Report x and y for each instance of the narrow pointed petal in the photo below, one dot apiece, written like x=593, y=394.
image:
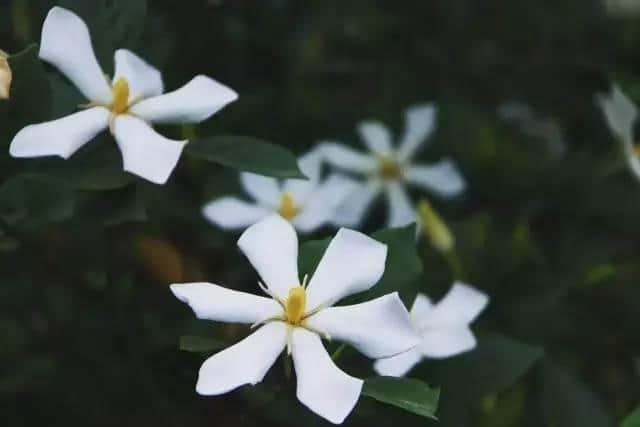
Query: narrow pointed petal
x=232, y=213
x=145, y=152
x=347, y=159
x=322, y=205
x=302, y=189
x=263, y=189
x=66, y=44
x=144, y=80
x=246, y=362
x=351, y=212
x=194, y=102
x=398, y=365
x=419, y=124
x=619, y=112
x=271, y=246
x=441, y=342
x=460, y=306
x=321, y=385
x=442, y=178
x=61, y=137
x=352, y=263
x=376, y=137
x=401, y=210
x=213, y=302
x=376, y=328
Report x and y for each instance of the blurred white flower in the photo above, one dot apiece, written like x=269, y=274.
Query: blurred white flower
x=622, y=8
x=621, y=115
x=388, y=170
x=444, y=328
x=297, y=316
x=5, y=76
x=125, y=105
x=307, y=204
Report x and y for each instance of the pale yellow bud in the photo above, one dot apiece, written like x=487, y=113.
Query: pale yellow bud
x=5, y=76
x=434, y=227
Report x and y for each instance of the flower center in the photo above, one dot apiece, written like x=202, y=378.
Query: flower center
x=295, y=305
x=636, y=150
x=120, y=90
x=388, y=168
x=288, y=210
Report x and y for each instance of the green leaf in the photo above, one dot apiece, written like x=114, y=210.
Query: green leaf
x=407, y=393
x=632, y=420
x=568, y=403
x=310, y=254
x=197, y=344
x=494, y=365
x=247, y=154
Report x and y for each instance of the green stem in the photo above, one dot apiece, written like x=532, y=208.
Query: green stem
x=455, y=265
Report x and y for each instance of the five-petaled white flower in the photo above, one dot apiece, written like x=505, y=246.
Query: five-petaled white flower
x=125, y=105
x=621, y=114
x=388, y=169
x=307, y=204
x=444, y=328
x=297, y=316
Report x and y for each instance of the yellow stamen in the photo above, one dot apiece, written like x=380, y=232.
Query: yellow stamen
x=636, y=150
x=288, y=210
x=296, y=304
x=120, y=96
x=388, y=168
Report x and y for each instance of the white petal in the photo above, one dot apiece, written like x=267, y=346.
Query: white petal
x=352, y=263
x=232, y=213
x=213, y=302
x=460, y=306
x=246, y=362
x=61, y=137
x=620, y=112
x=321, y=206
x=145, y=152
x=351, y=211
x=321, y=385
x=144, y=80
x=192, y=103
x=421, y=306
x=448, y=341
x=376, y=328
x=443, y=178
x=401, y=210
x=263, y=189
x=376, y=137
x=419, y=124
x=398, y=365
x=271, y=246
x=66, y=44
x=301, y=189
x=345, y=158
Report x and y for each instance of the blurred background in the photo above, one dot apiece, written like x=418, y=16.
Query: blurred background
x=549, y=225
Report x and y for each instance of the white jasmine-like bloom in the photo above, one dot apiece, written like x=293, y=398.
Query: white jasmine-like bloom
x=297, y=316
x=621, y=114
x=389, y=170
x=126, y=104
x=307, y=204
x=444, y=328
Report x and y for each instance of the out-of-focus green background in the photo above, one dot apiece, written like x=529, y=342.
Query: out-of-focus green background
x=549, y=226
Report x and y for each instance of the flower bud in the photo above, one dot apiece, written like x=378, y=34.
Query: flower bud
x=5, y=76
x=434, y=227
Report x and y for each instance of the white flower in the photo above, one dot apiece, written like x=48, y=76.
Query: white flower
x=388, y=169
x=125, y=105
x=444, y=328
x=621, y=115
x=298, y=316
x=308, y=204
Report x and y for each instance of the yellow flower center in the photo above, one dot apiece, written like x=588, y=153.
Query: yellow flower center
x=120, y=91
x=388, y=168
x=296, y=304
x=636, y=150
x=288, y=209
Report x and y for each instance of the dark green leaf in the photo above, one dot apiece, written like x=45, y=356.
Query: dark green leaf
x=247, y=154
x=567, y=402
x=30, y=100
x=632, y=420
x=407, y=393
x=197, y=344
x=310, y=254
